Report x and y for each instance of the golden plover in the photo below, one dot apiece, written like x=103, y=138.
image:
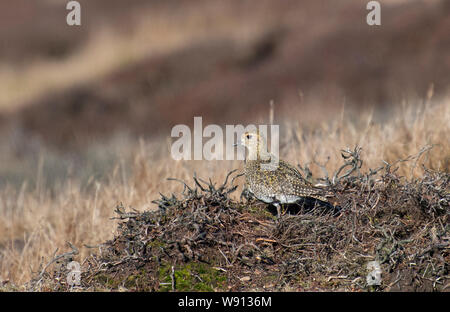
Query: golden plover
x=272, y=182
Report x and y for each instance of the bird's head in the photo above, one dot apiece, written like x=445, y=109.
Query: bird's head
x=255, y=143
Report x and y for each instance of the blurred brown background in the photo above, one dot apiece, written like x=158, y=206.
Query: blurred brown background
x=136, y=68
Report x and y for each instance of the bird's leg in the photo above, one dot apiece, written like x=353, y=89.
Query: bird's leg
x=283, y=212
x=278, y=206
x=245, y=194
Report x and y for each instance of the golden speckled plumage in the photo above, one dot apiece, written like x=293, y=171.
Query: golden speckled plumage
x=284, y=184
x=281, y=183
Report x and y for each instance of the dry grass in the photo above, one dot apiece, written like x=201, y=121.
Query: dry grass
x=36, y=222
x=408, y=131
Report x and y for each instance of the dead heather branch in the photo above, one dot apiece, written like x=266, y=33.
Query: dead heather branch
x=204, y=240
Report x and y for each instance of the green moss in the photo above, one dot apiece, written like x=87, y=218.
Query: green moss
x=259, y=211
x=191, y=277
x=156, y=243
x=107, y=281
x=138, y=281
x=303, y=282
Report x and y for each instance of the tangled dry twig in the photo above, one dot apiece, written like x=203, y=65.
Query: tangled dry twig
x=204, y=240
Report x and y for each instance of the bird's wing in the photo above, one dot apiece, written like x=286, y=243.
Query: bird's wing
x=289, y=169
x=308, y=189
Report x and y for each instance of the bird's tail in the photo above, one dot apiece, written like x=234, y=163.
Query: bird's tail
x=323, y=202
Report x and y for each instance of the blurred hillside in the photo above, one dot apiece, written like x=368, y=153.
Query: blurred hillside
x=76, y=97
x=143, y=66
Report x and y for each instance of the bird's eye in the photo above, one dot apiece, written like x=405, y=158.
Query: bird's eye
x=248, y=136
